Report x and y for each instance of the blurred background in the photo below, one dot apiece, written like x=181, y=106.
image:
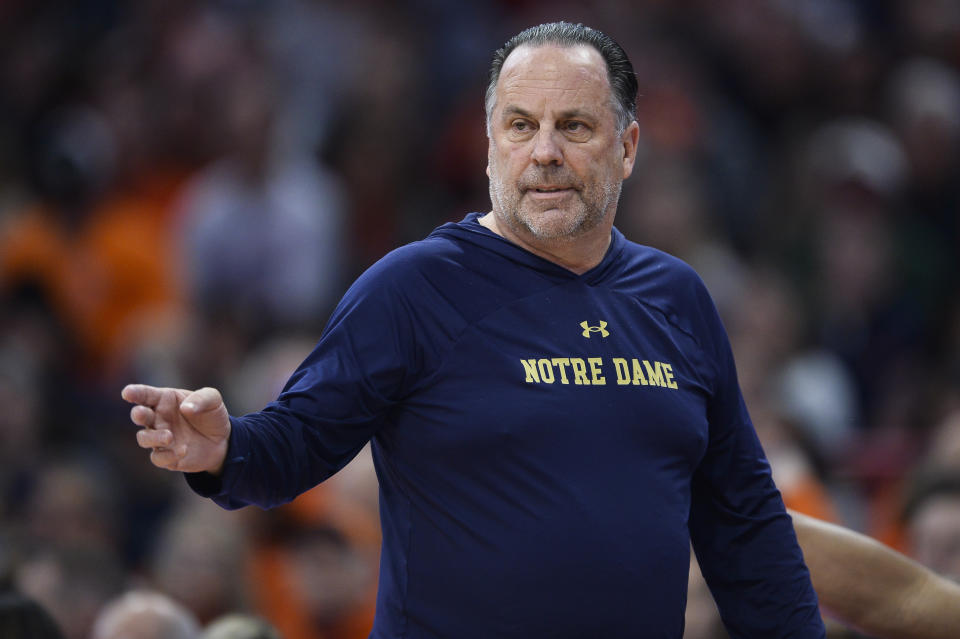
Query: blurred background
x=186, y=189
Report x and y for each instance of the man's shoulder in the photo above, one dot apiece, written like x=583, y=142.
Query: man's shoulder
x=450, y=254
x=654, y=269
x=423, y=273
x=416, y=259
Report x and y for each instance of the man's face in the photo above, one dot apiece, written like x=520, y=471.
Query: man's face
x=555, y=159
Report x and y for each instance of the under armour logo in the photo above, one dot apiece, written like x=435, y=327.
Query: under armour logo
x=587, y=329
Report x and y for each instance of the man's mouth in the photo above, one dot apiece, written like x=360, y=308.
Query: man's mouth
x=549, y=189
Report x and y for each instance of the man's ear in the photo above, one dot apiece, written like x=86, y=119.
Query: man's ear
x=630, y=140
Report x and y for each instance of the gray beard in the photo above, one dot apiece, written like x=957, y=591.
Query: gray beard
x=507, y=209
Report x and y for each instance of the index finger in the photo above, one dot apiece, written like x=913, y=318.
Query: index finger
x=141, y=394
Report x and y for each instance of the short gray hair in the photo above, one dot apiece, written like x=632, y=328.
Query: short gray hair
x=623, y=80
x=154, y=613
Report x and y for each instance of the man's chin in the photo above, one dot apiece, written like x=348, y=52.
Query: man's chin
x=553, y=224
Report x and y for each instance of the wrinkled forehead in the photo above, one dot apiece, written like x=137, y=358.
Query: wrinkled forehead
x=552, y=68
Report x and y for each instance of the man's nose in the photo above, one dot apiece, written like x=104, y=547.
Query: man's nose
x=546, y=149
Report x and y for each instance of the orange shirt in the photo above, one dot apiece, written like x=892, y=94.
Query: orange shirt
x=104, y=278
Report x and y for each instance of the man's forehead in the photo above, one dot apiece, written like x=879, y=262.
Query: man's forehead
x=551, y=63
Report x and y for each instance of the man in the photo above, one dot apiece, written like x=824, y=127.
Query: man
x=142, y=614
x=554, y=410
x=22, y=617
x=240, y=626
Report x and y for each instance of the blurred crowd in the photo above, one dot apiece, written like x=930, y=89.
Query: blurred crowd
x=186, y=189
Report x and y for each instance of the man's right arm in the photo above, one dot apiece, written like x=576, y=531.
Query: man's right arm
x=368, y=358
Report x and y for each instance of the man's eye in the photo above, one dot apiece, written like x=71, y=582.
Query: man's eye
x=520, y=125
x=576, y=127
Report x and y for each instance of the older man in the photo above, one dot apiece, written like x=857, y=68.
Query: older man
x=554, y=410
x=143, y=614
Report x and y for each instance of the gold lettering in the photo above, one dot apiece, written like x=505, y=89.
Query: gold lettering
x=595, y=370
x=623, y=370
x=579, y=371
x=530, y=367
x=546, y=371
x=561, y=363
x=638, y=377
x=589, y=371
x=668, y=376
x=654, y=373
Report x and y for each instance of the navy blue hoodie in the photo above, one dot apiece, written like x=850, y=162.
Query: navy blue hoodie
x=547, y=444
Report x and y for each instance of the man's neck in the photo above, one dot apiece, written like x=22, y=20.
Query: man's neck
x=577, y=255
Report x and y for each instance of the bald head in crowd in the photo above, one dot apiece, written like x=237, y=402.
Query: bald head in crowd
x=240, y=626
x=145, y=615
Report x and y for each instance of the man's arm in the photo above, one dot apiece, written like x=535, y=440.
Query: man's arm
x=875, y=589
x=741, y=533
x=367, y=360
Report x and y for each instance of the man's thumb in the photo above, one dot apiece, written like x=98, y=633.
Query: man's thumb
x=201, y=401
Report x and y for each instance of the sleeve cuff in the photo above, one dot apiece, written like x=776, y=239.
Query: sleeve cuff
x=219, y=487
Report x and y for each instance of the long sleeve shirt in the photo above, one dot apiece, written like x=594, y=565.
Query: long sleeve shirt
x=548, y=445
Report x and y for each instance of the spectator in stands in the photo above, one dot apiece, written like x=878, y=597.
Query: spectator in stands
x=23, y=618
x=141, y=614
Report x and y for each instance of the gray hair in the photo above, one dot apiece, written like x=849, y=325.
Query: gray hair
x=153, y=614
x=623, y=80
x=240, y=626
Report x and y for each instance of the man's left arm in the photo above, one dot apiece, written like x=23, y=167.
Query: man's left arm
x=741, y=533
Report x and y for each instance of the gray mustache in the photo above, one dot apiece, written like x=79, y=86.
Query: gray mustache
x=548, y=180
